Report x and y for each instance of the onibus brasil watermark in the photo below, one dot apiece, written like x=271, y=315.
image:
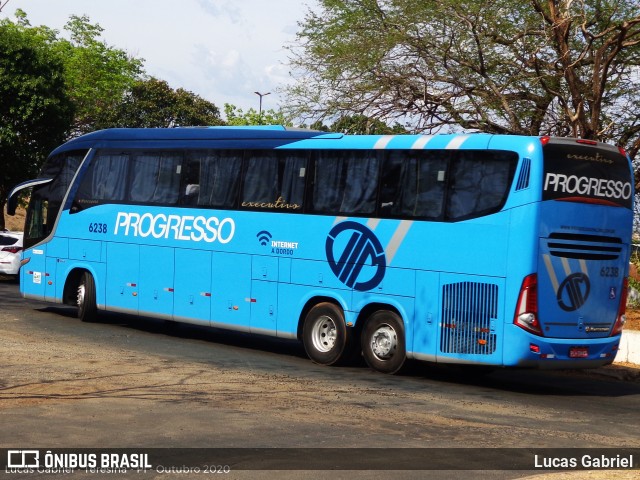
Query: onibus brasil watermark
x=34, y=461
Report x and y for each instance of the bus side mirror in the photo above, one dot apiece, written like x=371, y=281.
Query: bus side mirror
x=12, y=204
x=12, y=201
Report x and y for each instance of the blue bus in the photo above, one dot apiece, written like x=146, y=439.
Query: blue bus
x=472, y=249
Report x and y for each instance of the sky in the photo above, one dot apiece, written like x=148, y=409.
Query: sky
x=222, y=50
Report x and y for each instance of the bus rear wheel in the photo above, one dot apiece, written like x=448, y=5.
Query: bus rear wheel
x=325, y=335
x=87, y=307
x=383, y=343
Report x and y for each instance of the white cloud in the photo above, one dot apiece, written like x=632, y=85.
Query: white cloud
x=222, y=50
x=222, y=9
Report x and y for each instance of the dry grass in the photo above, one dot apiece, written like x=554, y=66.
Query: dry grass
x=16, y=222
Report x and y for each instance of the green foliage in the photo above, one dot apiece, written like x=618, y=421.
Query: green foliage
x=363, y=125
x=97, y=76
x=153, y=103
x=35, y=112
x=633, y=280
x=237, y=117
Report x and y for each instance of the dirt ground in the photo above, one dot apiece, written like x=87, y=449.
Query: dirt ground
x=633, y=319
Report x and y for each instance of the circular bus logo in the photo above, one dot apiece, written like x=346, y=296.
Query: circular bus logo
x=573, y=292
x=355, y=246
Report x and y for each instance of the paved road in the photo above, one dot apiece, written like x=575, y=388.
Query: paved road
x=130, y=383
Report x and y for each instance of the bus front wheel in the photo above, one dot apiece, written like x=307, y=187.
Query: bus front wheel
x=87, y=307
x=325, y=335
x=383, y=343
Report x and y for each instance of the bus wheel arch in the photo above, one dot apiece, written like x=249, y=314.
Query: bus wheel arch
x=80, y=290
x=324, y=332
x=383, y=340
x=70, y=293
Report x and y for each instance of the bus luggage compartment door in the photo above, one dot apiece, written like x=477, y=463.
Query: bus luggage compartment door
x=192, y=297
x=231, y=290
x=123, y=270
x=264, y=294
x=156, y=281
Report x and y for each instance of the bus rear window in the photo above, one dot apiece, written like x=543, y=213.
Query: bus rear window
x=583, y=173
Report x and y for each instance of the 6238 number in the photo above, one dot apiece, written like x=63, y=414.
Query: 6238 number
x=98, y=227
x=609, y=271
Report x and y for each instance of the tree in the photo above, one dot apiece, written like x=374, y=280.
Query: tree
x=237, y=117
x=559, y=67
x=35, y=112
x=97, y=76
x=153, y=103
x=363, y=125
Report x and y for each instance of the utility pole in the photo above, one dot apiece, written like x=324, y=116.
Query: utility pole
x=260, y=110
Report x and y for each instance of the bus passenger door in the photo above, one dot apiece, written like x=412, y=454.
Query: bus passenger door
x=123, y=261
x=425, y=330
x=264, y=294
x=192, y=296
x=156, y=281
x=57, y=258
x=231, y=289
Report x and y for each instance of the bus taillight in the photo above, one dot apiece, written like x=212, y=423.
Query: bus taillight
x=526, y=315
x=584, y=141
x=621, y=319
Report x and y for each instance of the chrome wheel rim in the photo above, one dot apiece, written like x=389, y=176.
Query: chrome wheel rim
x=323, y=334
x=384, y=342
x=80, y=297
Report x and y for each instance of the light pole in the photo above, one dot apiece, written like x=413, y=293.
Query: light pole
x=261, y=95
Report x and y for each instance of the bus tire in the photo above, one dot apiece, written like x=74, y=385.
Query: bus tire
x=325, y=335
x=383, y=342
x=87, y=307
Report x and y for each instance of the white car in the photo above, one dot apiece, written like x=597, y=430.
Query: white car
x=10, y=248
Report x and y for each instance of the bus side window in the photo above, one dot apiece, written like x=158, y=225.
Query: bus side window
x=260, y=180
x=392, y=184
x=480, y=183
x=104, y=181
x=212, y=178
x=293, y=167
x=275, y=180
x=431, y=175
x=413, y=184
x=155, y=177
x=346, y=181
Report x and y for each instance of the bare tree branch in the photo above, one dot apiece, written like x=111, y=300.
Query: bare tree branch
x=559, y=67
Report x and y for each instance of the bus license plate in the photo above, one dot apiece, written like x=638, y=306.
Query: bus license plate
x=578, y=352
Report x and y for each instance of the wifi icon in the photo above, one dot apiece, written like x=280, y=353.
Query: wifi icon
x=264, y=237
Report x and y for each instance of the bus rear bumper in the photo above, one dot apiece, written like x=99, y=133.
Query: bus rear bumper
x=523, y=349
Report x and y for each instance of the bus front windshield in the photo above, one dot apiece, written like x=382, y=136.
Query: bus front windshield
x=46, y=200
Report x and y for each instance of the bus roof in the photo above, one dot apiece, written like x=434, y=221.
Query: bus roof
x=277, y=133
x=265, y=136
x=274, y=136
x=199, y=133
